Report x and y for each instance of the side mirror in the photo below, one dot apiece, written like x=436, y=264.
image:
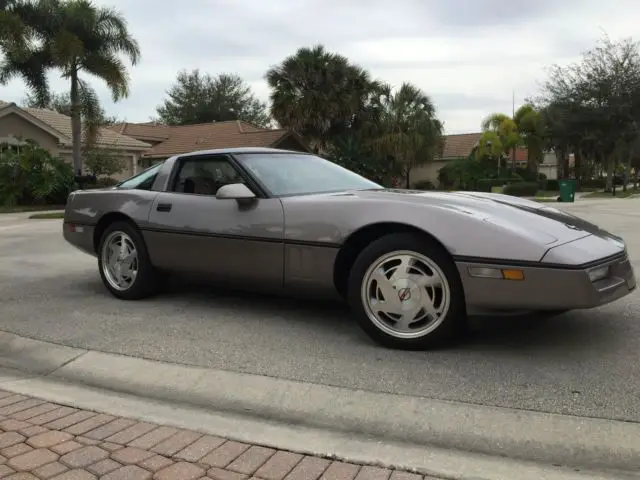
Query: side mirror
x=235, y=191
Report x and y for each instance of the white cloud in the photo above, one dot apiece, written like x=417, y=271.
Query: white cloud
x=467, y=56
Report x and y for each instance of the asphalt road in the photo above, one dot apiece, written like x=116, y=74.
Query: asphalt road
x=583, y=363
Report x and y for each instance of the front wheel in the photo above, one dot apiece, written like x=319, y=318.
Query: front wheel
x=406, y=293
x=124, y=263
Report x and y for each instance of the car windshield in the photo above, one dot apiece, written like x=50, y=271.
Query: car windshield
x=142, y=181
x=299, y=174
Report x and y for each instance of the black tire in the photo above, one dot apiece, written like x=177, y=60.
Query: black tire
x=146, y=281
x=454, y=324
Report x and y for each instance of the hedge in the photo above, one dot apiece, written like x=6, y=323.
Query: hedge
x=521, y=189
x=486, y=184
x=424, y=185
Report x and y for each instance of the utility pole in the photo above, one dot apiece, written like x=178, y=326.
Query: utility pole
x=513, y=117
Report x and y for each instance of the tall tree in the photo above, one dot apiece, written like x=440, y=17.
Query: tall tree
x=507, y=131
x=318, y=94
x=74, y=36
x=410, y=131
x=61, y=103
x=591, y=107
x=23, y=57
x=198, y=97
x=531, y=129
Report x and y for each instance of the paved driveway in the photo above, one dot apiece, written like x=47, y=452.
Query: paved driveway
x=583, y=363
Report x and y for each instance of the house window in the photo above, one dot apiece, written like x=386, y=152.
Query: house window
x=7, y=148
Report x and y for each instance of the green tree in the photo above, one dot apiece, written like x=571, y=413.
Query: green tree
x=73, y=36
x=101, y=162
x=31, y=175
x=591, y=108
x=530, y=125
x=201, y=98
x=319, y=95
x=507, y=131
x=490, y=146
x=410, y=131
x=23, y=55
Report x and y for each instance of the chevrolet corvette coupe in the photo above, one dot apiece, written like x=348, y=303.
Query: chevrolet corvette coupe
x=411, y=264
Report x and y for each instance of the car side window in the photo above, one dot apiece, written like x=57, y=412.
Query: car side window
x=141, y=181
x=204, y=175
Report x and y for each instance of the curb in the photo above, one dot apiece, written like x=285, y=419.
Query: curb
x=425, y=423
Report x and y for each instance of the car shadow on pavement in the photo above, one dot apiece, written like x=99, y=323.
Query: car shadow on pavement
x=532, y=331
x=581, y=330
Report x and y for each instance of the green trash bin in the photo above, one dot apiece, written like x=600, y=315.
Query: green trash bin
x=567, y=190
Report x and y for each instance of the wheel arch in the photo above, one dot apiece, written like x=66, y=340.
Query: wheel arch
x=358, y=241
x=104, y=222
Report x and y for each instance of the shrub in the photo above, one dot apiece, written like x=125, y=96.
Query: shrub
x=521, y=189
x=552, y=184
x=424, y=185
x=486, y=184
x=106, y=182
x=102, y=162
x=526, y=174
x=33, y=176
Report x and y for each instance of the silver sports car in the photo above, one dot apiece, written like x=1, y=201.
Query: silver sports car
x=411, y=264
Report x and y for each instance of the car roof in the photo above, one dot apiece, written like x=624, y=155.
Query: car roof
x=218, y=151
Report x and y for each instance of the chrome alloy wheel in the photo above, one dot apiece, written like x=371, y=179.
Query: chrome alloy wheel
x=119, y=260
x=405, y=294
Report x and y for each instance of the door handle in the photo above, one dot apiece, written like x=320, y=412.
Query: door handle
x=163, y=207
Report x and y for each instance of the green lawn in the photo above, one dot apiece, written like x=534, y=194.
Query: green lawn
x=42, y=216
x=547, y=194
x=29, y=208
x=619, y=193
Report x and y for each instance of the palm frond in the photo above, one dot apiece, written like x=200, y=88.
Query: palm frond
x=111, y=69
x=31, y=68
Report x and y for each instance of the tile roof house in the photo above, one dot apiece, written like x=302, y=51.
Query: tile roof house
x=459, y=145
x=455, y=147
x=169, y=140
x=52, y=130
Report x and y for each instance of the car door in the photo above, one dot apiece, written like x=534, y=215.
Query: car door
x=192, y=231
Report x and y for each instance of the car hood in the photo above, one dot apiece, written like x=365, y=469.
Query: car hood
x=537, y=221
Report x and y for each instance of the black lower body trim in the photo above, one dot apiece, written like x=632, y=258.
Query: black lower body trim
x=245, y=237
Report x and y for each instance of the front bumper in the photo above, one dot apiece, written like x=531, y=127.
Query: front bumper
x=548, y=288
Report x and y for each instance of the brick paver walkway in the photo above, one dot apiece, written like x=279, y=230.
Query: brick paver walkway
x=40, y=440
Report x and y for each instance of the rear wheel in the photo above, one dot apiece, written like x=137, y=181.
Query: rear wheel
x=124, y=263
x=406, y=293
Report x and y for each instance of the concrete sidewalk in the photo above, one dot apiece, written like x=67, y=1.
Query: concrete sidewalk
x=434, y=438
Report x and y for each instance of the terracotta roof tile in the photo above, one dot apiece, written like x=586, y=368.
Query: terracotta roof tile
x=460, y=145
x=204, y=136
x=142, y=130
x=521, y=154
x=106, y=137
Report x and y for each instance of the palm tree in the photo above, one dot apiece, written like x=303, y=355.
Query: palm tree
x=19, y=23
x=73, y=36
x=531, y=128
x=506, y=129
x=317, y=94
x=410, y=131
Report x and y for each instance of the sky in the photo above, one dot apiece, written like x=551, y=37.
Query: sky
x=469, y=56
